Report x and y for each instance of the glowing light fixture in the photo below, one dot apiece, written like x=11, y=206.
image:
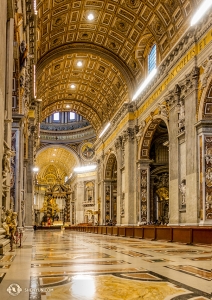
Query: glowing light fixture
x=34, y=81
x=72, y=86
x=85, y=169
x=79, y=63
x=90, y=17
x=144, y=84
x=35, y=7
x=201, y=11
x=104, y=130
x=67, y=106
x=35, y=169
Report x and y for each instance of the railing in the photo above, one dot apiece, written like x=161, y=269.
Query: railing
x=187, y=235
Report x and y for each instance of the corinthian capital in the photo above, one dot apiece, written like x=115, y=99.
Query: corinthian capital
x=118, y=142
x=129, y=134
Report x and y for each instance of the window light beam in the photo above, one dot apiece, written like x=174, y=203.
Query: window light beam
x=201, y=11
x=144, y=84
x=85, y=169
x=104, y=130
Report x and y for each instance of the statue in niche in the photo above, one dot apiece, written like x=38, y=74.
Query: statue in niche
x=181, y=116
x=23, y=54
x=163, y=213
x=182, y=188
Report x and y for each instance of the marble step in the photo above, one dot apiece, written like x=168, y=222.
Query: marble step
x=2, y=237
x=2, y=231
x=4, y=242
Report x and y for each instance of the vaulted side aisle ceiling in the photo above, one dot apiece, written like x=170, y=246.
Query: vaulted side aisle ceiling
x=55, y=161
x=112, y=47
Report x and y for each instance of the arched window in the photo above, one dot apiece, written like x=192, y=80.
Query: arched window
x=72, y=116
x=152, y=59
x=56, y=116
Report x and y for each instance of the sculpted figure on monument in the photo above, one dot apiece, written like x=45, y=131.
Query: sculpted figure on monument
x=13, y=223
x=6, y=220
x=182, y=188
x=6, y=164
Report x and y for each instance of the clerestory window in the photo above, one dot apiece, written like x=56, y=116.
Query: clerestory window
x=152, y=59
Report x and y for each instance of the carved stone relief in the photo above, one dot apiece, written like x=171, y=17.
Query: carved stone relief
x=143, y=188
x=208, y=178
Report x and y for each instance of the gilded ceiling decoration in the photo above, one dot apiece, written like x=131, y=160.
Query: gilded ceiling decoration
x=99, y=87
x=113, y=48
x=55, y=163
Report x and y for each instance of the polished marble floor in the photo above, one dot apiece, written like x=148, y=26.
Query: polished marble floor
x=81, y=266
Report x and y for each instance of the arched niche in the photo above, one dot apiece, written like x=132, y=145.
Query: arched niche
x=154, y=173
x=110, y=190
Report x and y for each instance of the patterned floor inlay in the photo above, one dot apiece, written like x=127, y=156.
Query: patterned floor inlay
x=128, y=270
x=69, y=256
x=68, y=264
x=111, y=247
x=134, y=286
x=157, y=260
x=202, y=258
x=2, y=276
x=5, y=266
x=142, y=276
x=7, y=258
x=180, y=251
x=134, y=253
x=194, y=271
x=40, y=249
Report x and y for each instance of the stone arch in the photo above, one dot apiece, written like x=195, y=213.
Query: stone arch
x=149, y=130
x=111, y=166
x=153, y=178
x=205, y=105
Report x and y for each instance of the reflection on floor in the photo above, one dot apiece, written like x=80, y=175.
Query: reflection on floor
x=83, y=266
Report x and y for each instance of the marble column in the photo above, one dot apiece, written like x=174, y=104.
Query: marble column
x=129, y=143
x=172, y=99
x=29, y=190
x=118, y=144
x=101, y=188
x=190, y=86
x=79, y=201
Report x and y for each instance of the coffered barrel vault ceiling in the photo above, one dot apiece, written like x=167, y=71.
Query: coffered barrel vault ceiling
x=55, y=162
x=99, y=87
x=113, y=48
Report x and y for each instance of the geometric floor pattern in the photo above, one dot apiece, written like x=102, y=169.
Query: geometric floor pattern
x=82, y=266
